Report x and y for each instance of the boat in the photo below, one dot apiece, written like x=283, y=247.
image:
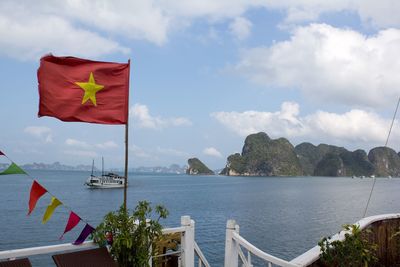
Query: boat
x=109, y=180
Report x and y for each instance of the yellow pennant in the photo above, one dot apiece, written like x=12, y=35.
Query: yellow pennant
x=50, y=209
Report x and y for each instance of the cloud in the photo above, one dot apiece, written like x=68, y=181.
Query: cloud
x=83, y=144
x=213, y=152
x=330, y=64
x=240, y=28
x=107, y=145
x=157, y=153
x=350, y=128
x=74, y=142
x=91, y=28
x=141, y=115
x=81, y=153
x=40, y=132
x=28, y=36
x=140, y=152
x=171, y=152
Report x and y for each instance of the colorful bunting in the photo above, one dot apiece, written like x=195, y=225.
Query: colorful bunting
x=50, y=209
x=84, y=234
x=36, y=192
x=72, y=222
x=13, y=169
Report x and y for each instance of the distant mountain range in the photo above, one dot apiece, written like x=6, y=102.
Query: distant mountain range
x=174, y=168
x=57, y=166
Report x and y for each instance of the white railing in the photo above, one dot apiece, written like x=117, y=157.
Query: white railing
x=187, y=253
x=312, y=255
x=233, y=250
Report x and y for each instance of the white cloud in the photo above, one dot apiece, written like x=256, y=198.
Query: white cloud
x=156, y=153
x=27, y=36
x=90, y=28
x=212, y=151
x=140, y=152
x=240, y=28
x=40, y=132
x=83, y=144
x=81, y=153
x=330, y=64
x=171, y=152
x=74, y=142
x=107, y=145
x=350, y=128
x=141, y=115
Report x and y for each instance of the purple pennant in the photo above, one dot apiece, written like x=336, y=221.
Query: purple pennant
x=1, y=153
x=84, y=234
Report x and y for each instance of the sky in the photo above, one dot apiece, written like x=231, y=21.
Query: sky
x=204, y=75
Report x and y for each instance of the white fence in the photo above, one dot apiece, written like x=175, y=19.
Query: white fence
x=234, y=245
x=189, y=247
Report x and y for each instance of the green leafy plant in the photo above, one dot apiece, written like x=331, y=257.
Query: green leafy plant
x=133, y=236
x=355, y=250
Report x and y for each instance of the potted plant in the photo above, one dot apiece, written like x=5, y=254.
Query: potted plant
x=354, y=250
x=131, y=238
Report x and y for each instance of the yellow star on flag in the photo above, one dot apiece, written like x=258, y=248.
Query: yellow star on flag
x=90, y=88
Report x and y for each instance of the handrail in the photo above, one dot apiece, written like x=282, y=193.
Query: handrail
x=200, y=254
x=312, y=255
x=259, y=253
x=26, y=252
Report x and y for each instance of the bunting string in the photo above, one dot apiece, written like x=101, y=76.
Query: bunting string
x=37, y=191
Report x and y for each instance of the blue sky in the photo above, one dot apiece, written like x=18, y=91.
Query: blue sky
x=204, y=75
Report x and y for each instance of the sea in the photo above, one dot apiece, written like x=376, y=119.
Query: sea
x=284, y=216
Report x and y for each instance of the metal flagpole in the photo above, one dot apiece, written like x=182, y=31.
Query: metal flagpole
x=126, y=163
x=126, y=145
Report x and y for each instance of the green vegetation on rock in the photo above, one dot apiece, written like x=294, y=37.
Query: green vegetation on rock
x=198, y=167
x=262, y=156
x=385, y=160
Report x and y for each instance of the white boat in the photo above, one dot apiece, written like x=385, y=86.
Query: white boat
x=109, y=180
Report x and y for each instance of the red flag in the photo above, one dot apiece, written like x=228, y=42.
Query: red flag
x=36, y=192
x=72, y=222
x=74, y=89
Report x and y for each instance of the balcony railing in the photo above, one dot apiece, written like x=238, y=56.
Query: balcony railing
x=189, y=247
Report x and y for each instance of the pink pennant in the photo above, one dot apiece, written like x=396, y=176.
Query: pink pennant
x=72, y=222
x=36, y=192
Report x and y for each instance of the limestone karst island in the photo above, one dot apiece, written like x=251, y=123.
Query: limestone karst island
x=263, y=156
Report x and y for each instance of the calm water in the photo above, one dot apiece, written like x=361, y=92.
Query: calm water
x=282, y=216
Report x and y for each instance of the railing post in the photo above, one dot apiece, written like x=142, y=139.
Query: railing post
x=231, y=247
x=187, y=242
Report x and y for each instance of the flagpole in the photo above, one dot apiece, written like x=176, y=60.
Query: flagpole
x=126, y=163
x=126, y=143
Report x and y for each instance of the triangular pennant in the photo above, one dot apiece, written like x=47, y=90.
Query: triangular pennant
x=1, y=153
x=13, y=169
x=50, y=209
x=36, y=192
x=73, y=220
x=84, y=234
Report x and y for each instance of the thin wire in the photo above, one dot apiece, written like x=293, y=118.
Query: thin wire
x=387, y=140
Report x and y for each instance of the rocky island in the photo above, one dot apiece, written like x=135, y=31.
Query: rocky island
x=263, y=156
x=196, y=167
